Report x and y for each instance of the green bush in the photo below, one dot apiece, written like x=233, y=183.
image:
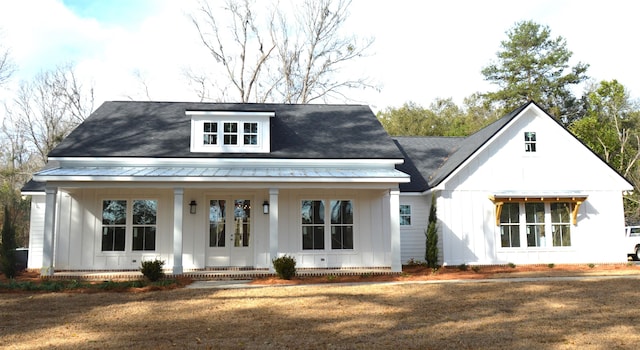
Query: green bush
x=285, y=266
x=512, y=265
x=431, y=253
x=152, y=269
x=463, y=267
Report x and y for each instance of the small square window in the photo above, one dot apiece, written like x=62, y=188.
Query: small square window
x=529, y=141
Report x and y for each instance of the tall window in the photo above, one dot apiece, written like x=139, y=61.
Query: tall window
x=341, y=224
x=250, y=133
x=217, y=209
x=510, y=225
x=114, y=225
x=535, y=224
x=144, y=224
x=560, y=224
x=529, y=141
x=312, y=215
x=405, y=215
x=242, y=222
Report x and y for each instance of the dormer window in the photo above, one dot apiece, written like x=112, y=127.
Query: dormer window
x=529, y=141
x=230, y=132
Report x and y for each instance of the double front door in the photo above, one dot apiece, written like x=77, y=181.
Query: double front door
x=229, y=237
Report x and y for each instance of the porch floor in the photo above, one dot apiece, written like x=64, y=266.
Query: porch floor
x=218, y=274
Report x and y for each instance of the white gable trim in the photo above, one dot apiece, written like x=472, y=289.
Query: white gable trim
x=538, y=111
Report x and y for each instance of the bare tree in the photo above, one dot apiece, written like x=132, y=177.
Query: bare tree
x=7, y=68
x=46, y=109
x=278, y=55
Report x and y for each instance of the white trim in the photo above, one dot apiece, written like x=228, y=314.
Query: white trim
x=304, y=179
x=223, y=162
x=234, y=114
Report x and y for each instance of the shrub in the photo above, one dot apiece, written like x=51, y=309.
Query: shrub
x=591, y=266
x=285, y=266
x=152, y=269
x=475, y=269
x=552, y=265
x=463, y=267
x=512, y=265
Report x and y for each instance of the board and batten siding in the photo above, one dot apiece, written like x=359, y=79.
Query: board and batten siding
x=36, y=230
x=561, y=163
x=412, y=237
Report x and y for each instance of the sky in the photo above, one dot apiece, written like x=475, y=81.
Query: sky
x=423, y=49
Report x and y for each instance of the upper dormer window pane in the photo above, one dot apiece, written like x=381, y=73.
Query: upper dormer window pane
x=250, y=133
x=230, y=133
x=529, y=141
x=210, y=133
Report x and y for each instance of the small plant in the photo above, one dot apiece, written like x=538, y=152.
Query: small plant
x=591, y=265
x=463, y=267
x=512, y=265
x=475, y=269
x=552, y=265
x=415, y=262
x=331, y=277
x=152, y=269
x=285, y=266
x=630, y=263
x=365, y=275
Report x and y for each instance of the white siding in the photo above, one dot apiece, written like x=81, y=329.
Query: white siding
x=412, y=237
x=36, y=232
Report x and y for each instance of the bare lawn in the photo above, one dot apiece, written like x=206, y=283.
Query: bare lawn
x=588, y=313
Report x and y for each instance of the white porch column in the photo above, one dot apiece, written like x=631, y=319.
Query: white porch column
x=49, y=229
x=178, y=201
x=273, y=226
x=394, y=220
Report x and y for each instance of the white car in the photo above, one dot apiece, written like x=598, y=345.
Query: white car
x=633, y=238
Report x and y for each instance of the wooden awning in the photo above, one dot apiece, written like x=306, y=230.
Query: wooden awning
x=575, y=198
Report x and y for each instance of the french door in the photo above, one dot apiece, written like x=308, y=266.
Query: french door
x=229, y=233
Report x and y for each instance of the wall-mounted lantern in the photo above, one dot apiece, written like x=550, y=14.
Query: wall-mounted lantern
x=265, y=207
x=192, y=207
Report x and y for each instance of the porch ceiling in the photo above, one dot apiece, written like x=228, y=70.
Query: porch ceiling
x=222, y=174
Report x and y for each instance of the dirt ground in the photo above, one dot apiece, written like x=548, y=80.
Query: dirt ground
x=591, y=313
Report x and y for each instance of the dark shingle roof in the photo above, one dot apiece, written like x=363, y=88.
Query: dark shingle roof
x=163, y=130
x=437, y=157
x=423, y=157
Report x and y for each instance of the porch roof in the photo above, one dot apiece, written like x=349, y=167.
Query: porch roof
x=221, y=174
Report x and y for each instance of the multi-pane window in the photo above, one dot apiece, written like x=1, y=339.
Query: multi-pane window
x=534, y=213
x=250, y=133
x=230, y=133
x=341, y=224
x=242, y=222
x=144, y=224
x=405, y=215
x=312, y=218
x=114, y=225
x=210, y=133
x=510, y=225
x=140, y=224
x=560, y=224
x=217, y=221
x=529, y=141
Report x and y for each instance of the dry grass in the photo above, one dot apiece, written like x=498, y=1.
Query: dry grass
x=590, y=313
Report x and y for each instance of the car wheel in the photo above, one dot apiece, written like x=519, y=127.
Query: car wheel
x=637, y=257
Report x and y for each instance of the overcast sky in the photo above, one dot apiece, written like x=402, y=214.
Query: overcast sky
x=423, y=50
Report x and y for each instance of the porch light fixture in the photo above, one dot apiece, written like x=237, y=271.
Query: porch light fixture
x=192, y=207
x=265, y=207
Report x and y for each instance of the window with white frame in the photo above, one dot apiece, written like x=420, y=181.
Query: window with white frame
x=510, y=225
x=529, y=141
x=405, y=215
x=530, y=222
x=340, y=225
x=230, y=132
x=133, y=221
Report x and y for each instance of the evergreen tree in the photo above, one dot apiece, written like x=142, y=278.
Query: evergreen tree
x=8, y=247
x=431, y=254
